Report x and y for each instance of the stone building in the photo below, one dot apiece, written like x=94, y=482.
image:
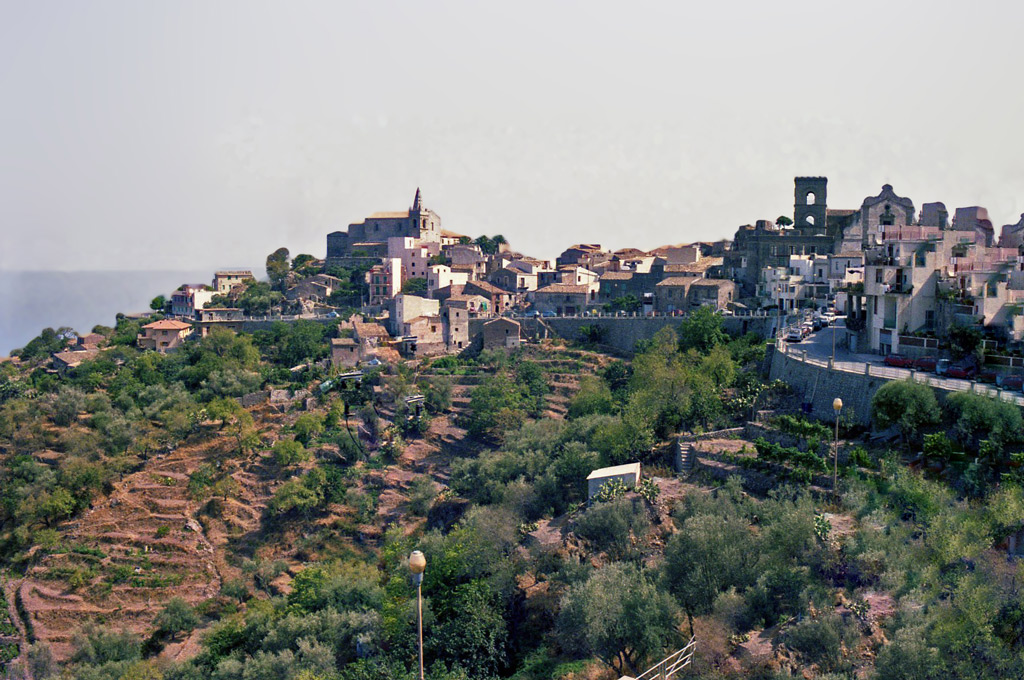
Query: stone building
x=224, y=281
x=502, y=333
x=714, y=293
x=670, y=295
x=417, y=222
x=564, y=299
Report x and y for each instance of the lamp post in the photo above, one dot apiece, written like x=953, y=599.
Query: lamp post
x=417, y=564
x=837, y=406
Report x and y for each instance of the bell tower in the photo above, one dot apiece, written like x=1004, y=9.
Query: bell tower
x=809, y=206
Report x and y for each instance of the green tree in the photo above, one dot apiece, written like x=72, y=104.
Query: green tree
x=158, y=303
x=498, y=403
x=976, y=417
x=414, y=286
x=625, y=303
x=593, y=396
x=619, y=616
x=708, y=555
x=176, y=617
x=783, y=221
x=308, y=427
x=289, y=452
x=964, y=340
x=908, y=405
x=614, y=526
x=278, y=268
x=702, y=330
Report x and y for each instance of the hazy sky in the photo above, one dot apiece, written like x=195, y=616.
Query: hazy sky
x=181, y=134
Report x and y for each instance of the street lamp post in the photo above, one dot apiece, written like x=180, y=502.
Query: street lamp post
x=417, y=564
x=837, y=406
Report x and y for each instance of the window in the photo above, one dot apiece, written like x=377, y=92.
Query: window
x=878, y=276
x=811, y=198
x=809, y=220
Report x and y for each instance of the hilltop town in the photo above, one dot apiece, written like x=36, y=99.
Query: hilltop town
x=902, y=278
x=797, y=453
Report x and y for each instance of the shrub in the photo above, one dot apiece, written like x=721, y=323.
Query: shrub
x=289, y=452
x=177, y=617
x=819, y=641
x=613, y=526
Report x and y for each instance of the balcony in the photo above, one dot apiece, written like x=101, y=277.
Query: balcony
x=898, y=288
x=879, y=258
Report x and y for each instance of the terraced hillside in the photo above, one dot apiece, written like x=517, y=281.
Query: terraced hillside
x=152, y=539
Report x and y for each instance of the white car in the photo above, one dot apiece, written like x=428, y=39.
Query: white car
x=795, y=334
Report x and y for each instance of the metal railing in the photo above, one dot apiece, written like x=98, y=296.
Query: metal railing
x=893, y=373
x=668, y=666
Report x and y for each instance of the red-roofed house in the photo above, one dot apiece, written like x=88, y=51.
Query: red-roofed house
x=164, y=335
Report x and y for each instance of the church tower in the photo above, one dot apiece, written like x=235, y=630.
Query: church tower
x=809, y=207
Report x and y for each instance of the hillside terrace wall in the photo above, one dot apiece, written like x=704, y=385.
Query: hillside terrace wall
x=856, y=383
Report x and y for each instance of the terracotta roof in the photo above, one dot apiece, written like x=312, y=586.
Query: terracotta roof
x=73, y=359
x=388, y=215
x=451, y=234
x=678, y=281
x=337, y=342
x=714, y=283
x=617, y=276
x=839, y=212
x=168, y=325
x=630, y=252
x=370, y=330
x=486, y=286
x=502, y=320
x=563, y=288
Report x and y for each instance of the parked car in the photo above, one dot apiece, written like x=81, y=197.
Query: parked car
x=898, y=360
x=987, y=376
x=942, y=366
x=1010, y=382
x=962, y=372
x=795, y=334
x=548, y=314
x=925, y=363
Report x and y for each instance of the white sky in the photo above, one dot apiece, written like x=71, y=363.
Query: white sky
x=180, y=134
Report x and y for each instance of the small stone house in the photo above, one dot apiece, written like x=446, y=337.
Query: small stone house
x=715, y=293
x=562, y=299
x=502, y=333
x=344, y=352
x=671, y=293
x=65, y=361
x=628, y=474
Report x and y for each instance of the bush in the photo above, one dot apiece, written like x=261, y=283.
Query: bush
x=289, y=452
x=177, y=617
x=908, y=405
x=613, y=526
x=819, y=641
x=802, y=427
x=422, y=492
